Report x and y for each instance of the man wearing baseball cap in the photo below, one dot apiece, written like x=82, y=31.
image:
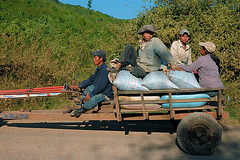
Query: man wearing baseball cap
x=180, y=50
x=206, y=66
x=97, y=87
x=151, y=52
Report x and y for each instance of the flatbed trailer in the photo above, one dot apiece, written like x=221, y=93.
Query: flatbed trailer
x=198, y=130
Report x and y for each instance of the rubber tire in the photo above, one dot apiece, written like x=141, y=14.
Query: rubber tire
x=199, y=134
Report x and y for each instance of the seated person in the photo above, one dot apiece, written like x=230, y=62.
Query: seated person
x=98, y=86
x=180, y=50
x=206, y=66
x=151, y=51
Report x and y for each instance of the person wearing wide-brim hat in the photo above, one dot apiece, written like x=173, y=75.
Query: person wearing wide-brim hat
x=206, y=66
x=151, y=52
x=180, y=50
x=147, y=28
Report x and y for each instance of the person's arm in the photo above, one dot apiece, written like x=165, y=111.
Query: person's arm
x=194, y=66
x=162, y=52
x=87, y=82
x=177, y=68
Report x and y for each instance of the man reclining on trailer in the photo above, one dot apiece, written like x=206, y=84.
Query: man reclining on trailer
x=151, y=52
x=97, y=87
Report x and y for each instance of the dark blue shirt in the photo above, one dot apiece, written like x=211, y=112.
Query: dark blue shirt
x=100, y=82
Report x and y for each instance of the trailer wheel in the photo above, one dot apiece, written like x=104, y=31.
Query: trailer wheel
x=199, y=134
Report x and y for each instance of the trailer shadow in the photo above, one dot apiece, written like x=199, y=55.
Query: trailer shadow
x=2, y=122
x=124, y=126
x=229, y=148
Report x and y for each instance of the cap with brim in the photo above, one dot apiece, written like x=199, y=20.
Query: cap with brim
x=210, y=46
x=184, y=31
x=147, y=28
x=100, y=53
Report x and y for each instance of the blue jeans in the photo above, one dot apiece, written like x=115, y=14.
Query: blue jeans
x=93, y=102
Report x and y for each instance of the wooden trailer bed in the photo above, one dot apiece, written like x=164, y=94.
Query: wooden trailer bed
x=172, y=113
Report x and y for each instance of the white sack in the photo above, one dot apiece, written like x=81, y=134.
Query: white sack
x=183, y=79
x=158, y=80
x=127, y=82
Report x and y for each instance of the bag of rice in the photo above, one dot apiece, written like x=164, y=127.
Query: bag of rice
x=127, y=82
x=158, y=80
x=183, y=79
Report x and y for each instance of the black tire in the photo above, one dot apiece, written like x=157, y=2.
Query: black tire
x=199, y=134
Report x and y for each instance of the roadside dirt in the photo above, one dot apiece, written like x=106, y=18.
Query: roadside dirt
x=29, y=139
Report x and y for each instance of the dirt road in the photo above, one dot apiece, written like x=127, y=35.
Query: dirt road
x=38, y=140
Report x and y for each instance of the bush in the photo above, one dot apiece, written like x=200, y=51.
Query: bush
x=207, y=20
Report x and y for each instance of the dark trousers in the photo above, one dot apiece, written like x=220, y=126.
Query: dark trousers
x=129, y=57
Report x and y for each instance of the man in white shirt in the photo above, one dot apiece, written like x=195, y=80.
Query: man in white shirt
x=180, y=50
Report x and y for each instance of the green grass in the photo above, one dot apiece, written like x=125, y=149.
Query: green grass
x=234, y=104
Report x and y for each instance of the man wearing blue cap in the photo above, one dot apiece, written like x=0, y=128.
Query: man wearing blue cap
x=98, y=86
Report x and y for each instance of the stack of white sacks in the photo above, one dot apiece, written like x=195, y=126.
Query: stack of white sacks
x=155, y=80
x=159, y=80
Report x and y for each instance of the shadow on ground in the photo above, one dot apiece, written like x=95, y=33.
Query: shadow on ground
x=125, y=126
x=229, y=148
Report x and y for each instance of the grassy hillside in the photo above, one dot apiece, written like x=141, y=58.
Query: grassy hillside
x=46, y=43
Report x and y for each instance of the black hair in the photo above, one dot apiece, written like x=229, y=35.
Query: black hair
x=217, y=61
x=184, y=34
x=206, y=51
x=154, y=34
x=104, y=59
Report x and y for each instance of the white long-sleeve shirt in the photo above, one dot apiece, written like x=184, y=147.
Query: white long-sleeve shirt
x=180, y=54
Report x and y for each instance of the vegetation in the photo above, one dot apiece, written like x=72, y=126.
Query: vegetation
x=46, y=43
x=207, y=20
